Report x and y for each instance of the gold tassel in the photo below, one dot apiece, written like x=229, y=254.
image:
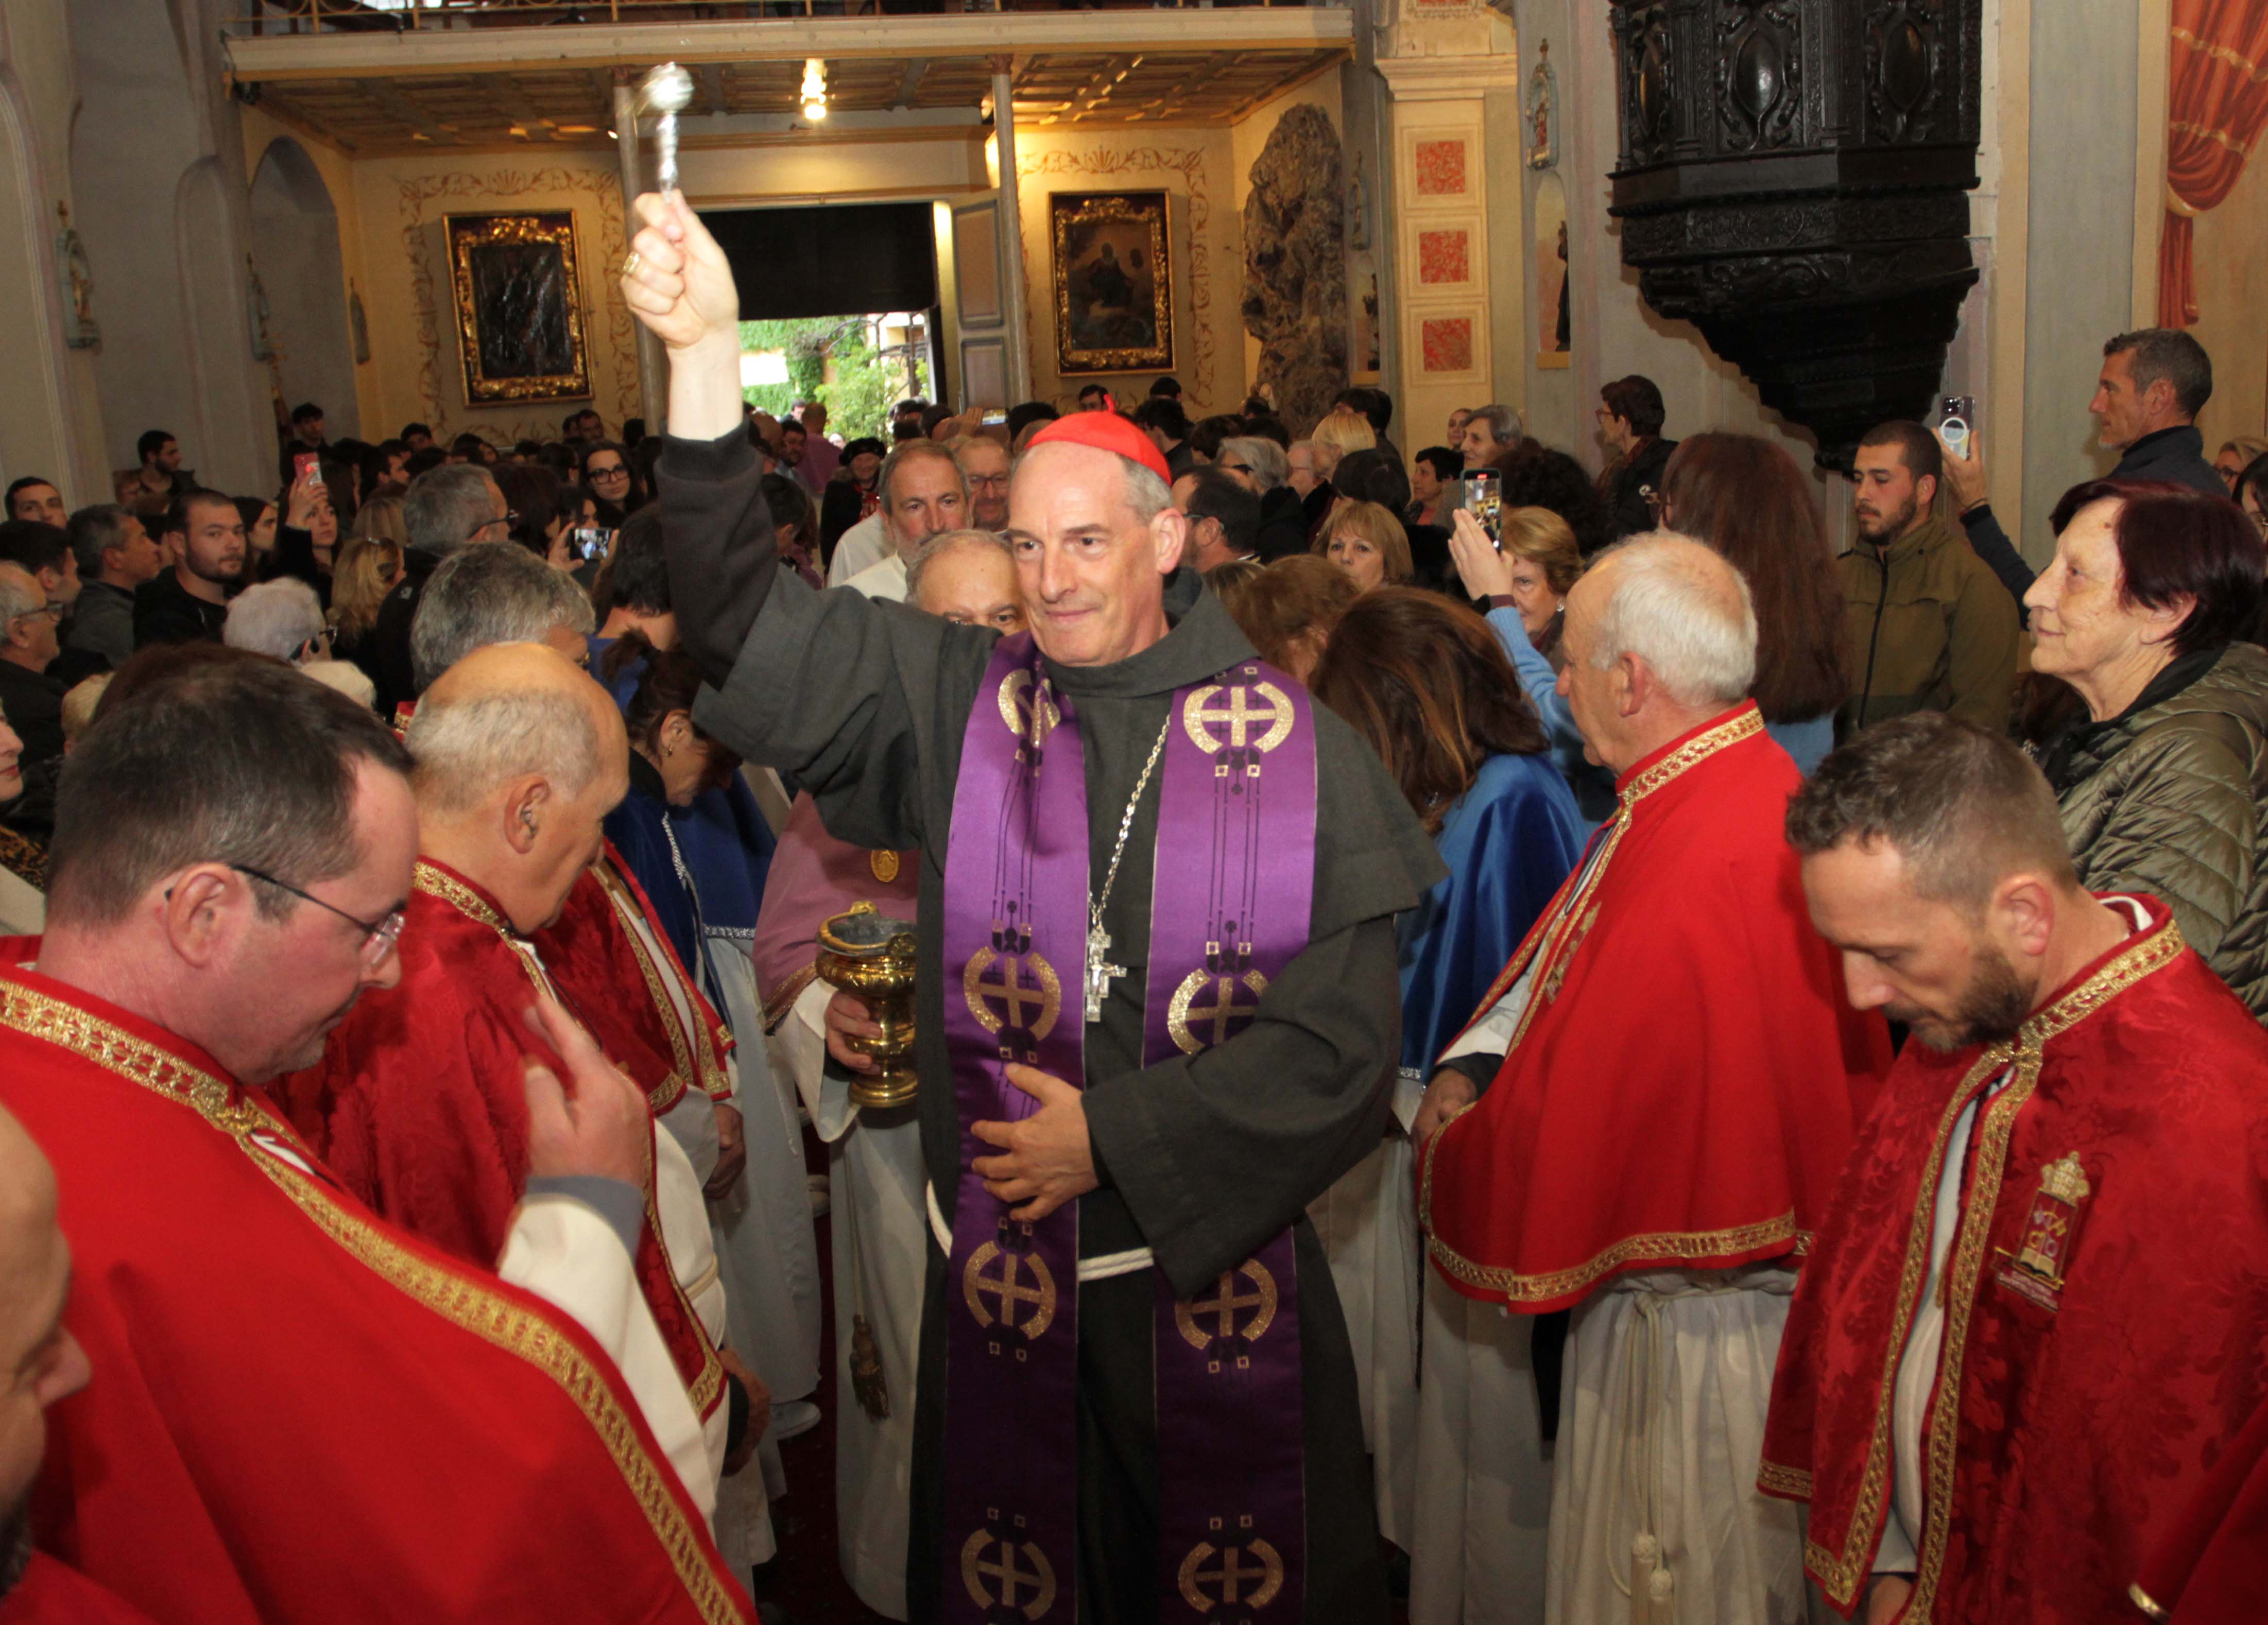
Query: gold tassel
x=866, y=1379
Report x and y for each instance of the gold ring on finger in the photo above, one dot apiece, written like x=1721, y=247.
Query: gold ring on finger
x=631, y=263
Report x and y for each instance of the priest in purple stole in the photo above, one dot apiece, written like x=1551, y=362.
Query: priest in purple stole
x=1157, y=1012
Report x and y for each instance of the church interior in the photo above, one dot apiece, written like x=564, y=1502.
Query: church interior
x=251, y=200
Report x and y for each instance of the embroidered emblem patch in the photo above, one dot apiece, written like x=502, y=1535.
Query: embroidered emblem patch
x=2035, y=1271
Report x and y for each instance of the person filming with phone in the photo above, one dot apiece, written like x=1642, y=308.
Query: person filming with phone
x=2153, y=383
x=1930, y=629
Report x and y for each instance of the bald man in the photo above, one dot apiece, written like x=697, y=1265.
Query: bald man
x=518, y=758
x=40, y=1363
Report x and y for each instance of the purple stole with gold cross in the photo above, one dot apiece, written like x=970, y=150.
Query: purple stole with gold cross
x=1234, y=885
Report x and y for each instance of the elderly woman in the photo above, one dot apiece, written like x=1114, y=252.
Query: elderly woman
x=1425, y=684
x=2236, y=454
x=1365, y=540
x=2142, y=612
x=1261, y=465
x=1524, y=585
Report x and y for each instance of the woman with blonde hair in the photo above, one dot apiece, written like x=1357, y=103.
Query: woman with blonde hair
x=2238, y=453
x=380, y=519
x=367, y=568
x=1365, y=540
x=1344, y=430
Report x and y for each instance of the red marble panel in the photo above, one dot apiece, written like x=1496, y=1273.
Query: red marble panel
x=1440, y=168
x=1447, y=343
x=1445, y=256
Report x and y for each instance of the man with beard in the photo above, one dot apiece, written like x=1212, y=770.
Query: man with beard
x=2031, y=1323
x=1930, y=628
x=189, y=604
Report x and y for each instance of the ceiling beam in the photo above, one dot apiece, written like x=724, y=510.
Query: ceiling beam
x=429, y=51
x=514, y=100
x=912, y=83
x=398, y=105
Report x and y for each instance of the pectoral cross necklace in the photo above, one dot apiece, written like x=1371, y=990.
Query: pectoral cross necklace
x=1099, y=971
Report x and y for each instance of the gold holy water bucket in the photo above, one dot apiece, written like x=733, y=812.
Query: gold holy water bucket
x=871, y=956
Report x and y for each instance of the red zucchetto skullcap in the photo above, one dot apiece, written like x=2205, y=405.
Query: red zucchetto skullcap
x=1109, y=432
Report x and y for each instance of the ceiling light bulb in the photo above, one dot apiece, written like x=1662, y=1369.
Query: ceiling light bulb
x=815, y=111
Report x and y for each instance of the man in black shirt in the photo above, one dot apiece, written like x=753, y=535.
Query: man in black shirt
x=189, y=603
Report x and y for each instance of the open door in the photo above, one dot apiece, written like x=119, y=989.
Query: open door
x=978, y=314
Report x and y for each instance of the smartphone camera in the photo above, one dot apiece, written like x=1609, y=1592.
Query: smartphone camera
x=591, y=542
x=1960, y=411
x=1485, y=500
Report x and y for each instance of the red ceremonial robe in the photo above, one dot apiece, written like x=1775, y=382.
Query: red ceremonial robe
x=54, y=1593
x=1683, y=1086
x=417, y=1104
x=2205, y=1569
x=629, y=997
x=2105, y=1297
x=300, y=1412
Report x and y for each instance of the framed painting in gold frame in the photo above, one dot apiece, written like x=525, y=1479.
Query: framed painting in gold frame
x=1114, y=282
x=518, y=292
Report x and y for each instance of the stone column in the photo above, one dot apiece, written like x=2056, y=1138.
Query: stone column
x=1453, y=296
x=1012, y=232
x=652, y=360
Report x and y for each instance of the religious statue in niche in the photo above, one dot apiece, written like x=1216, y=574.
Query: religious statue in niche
x=519, y=303
x=1358, y=207
x=256, y=314
x=75, y=274
x=1114, y=282
x=357, y=325
x=1542, y=111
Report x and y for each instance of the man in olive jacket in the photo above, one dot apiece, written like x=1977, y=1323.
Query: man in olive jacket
x=1930, y=629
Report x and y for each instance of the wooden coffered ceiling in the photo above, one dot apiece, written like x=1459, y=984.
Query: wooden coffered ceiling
x=490, y=88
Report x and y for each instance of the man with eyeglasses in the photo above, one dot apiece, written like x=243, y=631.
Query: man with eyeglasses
x=922, y=493
x=32, y=700
x=983, y=463
x=297, y=1410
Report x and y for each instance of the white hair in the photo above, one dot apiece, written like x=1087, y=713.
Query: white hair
x=469, y=746
x=1679, y=607
x=274, y=618
x=345, y=676
x=1266, y=460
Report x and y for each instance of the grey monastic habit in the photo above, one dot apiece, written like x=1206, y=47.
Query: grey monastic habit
x=1202, y=1159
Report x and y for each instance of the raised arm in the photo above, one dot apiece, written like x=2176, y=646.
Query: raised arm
x=717, y=531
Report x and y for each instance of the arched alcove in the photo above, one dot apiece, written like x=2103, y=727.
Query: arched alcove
x=295, y=245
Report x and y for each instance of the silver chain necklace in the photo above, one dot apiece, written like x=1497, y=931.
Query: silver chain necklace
x=1099, y=971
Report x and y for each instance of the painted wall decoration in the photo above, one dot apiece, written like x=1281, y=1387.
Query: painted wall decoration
x=1447, y=343
x=1542, y=111
x=1114, y=282
x=517, y=290
x=1445, y=256
x=358, y=325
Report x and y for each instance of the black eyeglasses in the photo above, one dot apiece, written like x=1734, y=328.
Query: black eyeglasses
x=508, y=518
x=609, y=474
x=1238, y=468
x=378, y=939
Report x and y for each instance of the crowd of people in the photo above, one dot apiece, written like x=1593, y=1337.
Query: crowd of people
x=1596, y=1060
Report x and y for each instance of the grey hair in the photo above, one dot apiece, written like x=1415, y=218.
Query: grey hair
x=443, y=506
x=497, y=593
x=2170, y=354
x=1266, y=460
x=468, y=747
x=274, y=618
x=914, y=451
x=1503, y=422
x=944, y=542
x=1685, y=612
x=91, y=531
x=20, y=594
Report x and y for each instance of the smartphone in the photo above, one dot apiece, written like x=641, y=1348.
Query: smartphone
x=994, y=417
x=1485, y=500
x=1960, y=411
x=304, y=465
x=591, y=542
